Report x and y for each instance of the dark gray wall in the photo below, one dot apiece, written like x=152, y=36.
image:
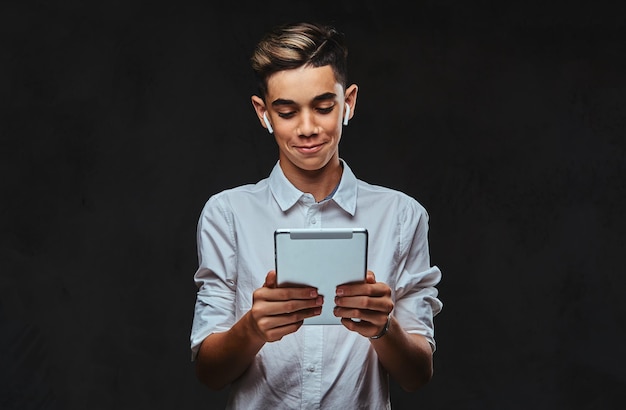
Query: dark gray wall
x=118, y=120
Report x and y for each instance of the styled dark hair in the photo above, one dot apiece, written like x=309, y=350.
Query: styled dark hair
x=295, y=45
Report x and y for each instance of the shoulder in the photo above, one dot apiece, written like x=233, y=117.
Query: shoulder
x=390, y=197
x=228, y=200
x=239, y=192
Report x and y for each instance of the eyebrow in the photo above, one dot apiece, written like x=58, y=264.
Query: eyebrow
x=322, y=97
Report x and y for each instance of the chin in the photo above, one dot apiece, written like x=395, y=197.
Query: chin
x=311, y=167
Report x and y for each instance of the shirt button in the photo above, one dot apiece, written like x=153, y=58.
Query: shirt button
x=313, y=221
x=311, y=369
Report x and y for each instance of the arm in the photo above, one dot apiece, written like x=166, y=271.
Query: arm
x=407, y=357
x=275, y=312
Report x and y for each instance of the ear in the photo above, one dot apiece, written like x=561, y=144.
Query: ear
x=350, y=100
x=261, y=112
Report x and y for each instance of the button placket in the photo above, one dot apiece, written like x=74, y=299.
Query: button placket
x=313, y=216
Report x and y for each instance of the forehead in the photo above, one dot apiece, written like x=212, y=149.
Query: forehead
x=302, y=84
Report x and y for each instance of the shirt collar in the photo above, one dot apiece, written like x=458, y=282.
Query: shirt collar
x=286, y=195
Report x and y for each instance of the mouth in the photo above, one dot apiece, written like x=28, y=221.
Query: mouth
x=309, y=149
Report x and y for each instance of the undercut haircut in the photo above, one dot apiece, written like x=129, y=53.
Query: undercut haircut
x=296, y=45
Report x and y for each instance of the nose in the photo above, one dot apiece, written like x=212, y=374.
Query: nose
x=307, y=126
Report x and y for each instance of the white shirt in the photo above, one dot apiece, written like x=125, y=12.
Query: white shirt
x=319, y=366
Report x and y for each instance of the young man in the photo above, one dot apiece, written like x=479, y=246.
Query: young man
x=247, y=332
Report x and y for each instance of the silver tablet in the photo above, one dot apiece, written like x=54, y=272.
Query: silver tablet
x=322, y=258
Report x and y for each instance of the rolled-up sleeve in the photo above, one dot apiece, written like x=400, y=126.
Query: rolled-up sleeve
x=417, y=301
x=215, y=277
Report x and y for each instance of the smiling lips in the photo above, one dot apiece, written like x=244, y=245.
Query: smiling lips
x=309, y=149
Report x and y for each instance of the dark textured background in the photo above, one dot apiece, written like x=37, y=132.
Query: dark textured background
x=506, y=120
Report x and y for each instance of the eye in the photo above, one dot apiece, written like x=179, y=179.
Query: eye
x=286, y=114
x=325, y=110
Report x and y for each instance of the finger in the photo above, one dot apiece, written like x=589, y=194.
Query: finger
x=283, y=294
x=262, y=307
x=277, y=333
x=275, y=327
x=370, y=277
x=364, y=328
x=376, y=304
x=375, y=317
x=363, y=289
x=270, y=279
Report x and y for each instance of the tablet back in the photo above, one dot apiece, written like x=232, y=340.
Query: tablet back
x=322, y=258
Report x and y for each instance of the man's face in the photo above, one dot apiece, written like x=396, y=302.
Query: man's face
x=306, y=106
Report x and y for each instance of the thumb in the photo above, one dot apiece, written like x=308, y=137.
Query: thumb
x=270, y=279
x=370, y=277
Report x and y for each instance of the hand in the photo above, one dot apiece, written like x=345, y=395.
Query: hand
x=277, y=312
x=370, y=303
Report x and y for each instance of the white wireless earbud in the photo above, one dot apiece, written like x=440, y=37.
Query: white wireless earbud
x=346, y=116
x=267, y=123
